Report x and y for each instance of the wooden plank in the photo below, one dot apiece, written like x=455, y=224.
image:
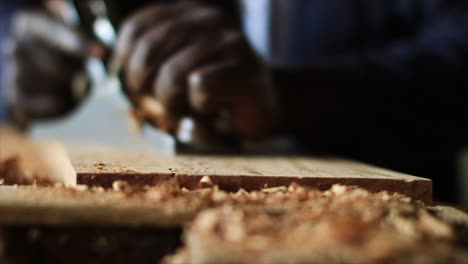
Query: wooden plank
x=99, y=167
x=59, y=206
x=86, y=210
x=102, y=168
x=22, y=205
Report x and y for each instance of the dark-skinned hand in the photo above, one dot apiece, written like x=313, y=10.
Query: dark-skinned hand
x=44, y=58
x=197, y=64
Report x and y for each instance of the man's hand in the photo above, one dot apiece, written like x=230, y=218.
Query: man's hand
x=196, y=64
x=45, y=57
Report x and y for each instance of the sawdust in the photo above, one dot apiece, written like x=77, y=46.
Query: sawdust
x=99, y=165
x=297, y=224
x=205, y=182
x=294, y=224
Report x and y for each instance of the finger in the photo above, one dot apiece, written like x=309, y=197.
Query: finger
x=138, y=24
x=31, y=81
x=142, y=63
x=206, y=94
x=40, y=105
x=52, y=32
x=243, y=93
x=24, y=85
x=43, y=106
x=36, y=58
x=156, y=45
x=171, y=83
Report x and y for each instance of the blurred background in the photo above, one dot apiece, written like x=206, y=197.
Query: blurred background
x=379, y=81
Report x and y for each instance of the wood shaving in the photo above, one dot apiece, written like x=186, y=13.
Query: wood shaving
x=122, y=186
x=205, y=182
x=99, y=165
x=302, y=225
x=292, y=224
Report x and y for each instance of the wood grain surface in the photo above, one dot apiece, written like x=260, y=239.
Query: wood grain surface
x=102, y=168
x=20, y=205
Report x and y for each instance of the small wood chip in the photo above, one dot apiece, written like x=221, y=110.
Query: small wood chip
x=121, y=186
x=81, y=188
x=205, y=182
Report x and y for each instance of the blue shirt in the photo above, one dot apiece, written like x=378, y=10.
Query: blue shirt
x=391, y=39
x=5, y=14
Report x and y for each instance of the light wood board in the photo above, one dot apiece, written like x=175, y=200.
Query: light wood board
x=102, y=168
x=99, y=167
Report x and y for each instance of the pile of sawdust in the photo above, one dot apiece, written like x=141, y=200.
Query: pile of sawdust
x=302, y=225
x=297, y=224
x=294, y=224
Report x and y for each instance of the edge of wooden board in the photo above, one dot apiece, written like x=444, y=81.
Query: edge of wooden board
x=418, y=189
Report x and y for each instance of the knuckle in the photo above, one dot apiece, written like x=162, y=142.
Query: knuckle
x=157, y=34
x=172, y=71
x=143, y=47
x=132, y=24
x=169, y=86
x=128, y=28
x=150, y=41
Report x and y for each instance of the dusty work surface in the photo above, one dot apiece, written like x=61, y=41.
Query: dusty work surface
x=293, y=224
x=341, y=225
x=81, y=206
x=101, y=168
